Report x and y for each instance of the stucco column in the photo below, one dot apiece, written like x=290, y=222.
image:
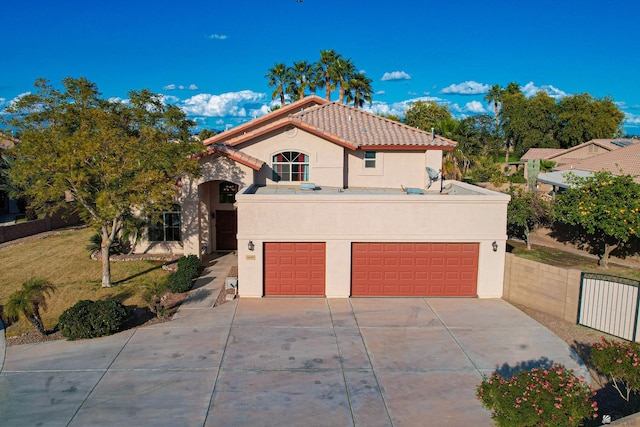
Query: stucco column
x=491, y=269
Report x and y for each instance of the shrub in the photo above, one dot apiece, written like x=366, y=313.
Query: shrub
x=181, y=280
x=190, y=264
x=90, y=319
x=620, y=361
x=538, y=397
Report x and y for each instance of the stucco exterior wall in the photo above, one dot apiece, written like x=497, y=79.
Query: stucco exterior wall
x=326, y=159
x=394, y=169
x=587, y=151
x=340, y=219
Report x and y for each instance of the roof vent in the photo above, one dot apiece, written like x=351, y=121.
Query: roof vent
x=309, y=186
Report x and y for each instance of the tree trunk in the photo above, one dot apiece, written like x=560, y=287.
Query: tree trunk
x=106, y=265
x=603, y=261
x=527, y=235
x=327, y=83
x=506, y=157
x=281, y=97
x=36, y=321
x=341, y=94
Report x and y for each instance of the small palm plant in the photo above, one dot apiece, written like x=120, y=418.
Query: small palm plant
x=28, y=301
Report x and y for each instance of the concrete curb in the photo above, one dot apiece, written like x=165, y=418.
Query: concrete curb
x=3, y=345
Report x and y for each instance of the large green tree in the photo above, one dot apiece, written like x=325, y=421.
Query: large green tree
x=111, y=158
x=525, y=212
x=343, y=71
x=359, y=90
x=302, y=77
x=581, y=118
x=494, y=96
x=605, y=206
x=426, y=115
x=529, y=123
x=278, y=77
x=326, y=71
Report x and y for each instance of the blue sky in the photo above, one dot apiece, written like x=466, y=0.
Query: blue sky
x=210, y=57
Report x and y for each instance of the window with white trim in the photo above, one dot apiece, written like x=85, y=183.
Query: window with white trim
x=167, y=229
x=290, y=166
x=369, y=159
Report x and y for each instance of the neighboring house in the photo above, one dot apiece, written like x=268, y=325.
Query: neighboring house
x=321, y=199
x=623, y=161
x=566, y=159
x=582, y=151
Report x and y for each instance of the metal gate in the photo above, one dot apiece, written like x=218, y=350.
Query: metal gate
x=609, y=304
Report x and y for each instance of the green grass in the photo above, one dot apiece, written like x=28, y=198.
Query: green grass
x=564, y=259
x=64, y=261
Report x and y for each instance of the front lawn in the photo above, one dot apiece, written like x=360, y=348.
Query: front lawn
x=64, y=261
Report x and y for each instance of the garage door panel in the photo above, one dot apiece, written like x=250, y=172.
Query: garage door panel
x=294, y=269
x=414, y=269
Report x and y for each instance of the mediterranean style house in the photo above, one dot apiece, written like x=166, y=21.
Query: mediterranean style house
x=322, y=199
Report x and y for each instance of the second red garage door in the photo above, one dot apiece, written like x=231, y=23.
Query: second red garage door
x=294, y=269
x=414, y=269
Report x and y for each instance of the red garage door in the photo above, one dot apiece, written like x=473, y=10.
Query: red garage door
x=414, y=269
x=294, y=269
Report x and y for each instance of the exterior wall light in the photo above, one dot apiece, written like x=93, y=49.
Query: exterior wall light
x=251, y=246
x=494, y=245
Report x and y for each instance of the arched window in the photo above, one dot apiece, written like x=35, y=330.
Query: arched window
x=290, y=166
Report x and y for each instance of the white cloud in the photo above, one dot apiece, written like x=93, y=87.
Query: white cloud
x=399, y=108
x=380, y=92
x=466, y=88
x=395, y=76
x=530, y=89
x=192, y=87
x=169, y=99
x=170, y=87
x=2, y=101
x=217, y=37
x=474, y=107
x=632, y=119
x=243, y=104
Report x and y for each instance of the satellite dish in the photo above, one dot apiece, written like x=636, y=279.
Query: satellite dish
x=433, y=175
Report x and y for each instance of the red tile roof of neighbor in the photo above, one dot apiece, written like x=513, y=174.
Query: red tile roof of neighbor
x=551, y=153
x=339, y=123
x=623, y=161
x=541, y=153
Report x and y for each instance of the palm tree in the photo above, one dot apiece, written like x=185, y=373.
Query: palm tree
x=343, y=70
x=326, y=78
x=278, y=76
x=301, y=78
x=359, y=90
x=494, y=95
x=28, y=301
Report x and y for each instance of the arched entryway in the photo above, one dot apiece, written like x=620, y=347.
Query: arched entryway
x=218, y=216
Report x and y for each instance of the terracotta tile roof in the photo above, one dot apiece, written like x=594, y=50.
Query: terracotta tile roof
x=233, y=154
x=622, y=161
x=267, y=119
x=366, y=130
x=541, y=153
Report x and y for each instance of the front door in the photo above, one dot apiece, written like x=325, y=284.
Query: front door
x=226, y=230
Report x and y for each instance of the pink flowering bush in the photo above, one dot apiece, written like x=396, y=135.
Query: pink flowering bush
x=620, y=361
x=538, y=397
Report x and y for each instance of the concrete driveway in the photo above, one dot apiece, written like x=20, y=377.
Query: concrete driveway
x=263, y=362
